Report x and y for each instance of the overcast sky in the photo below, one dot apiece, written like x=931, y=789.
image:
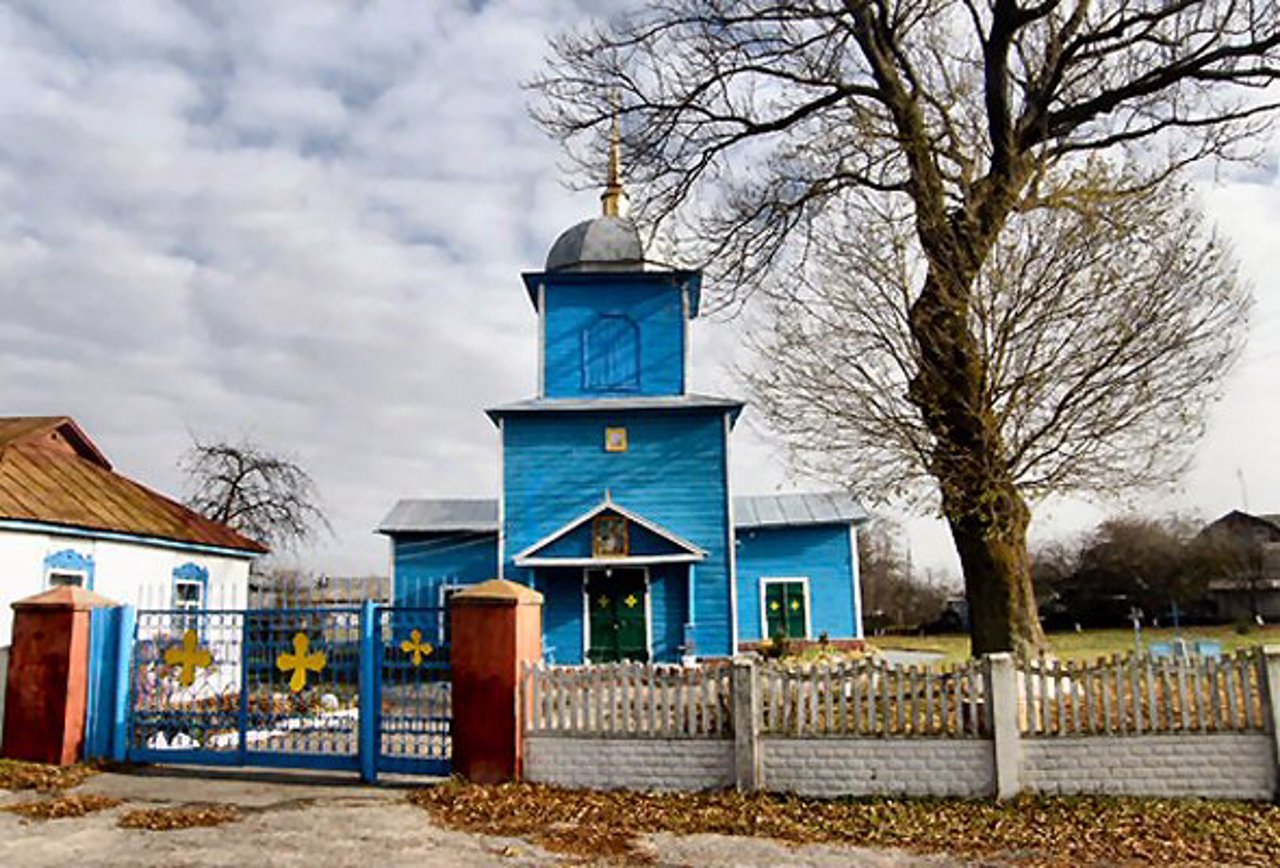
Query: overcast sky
x=304, y=222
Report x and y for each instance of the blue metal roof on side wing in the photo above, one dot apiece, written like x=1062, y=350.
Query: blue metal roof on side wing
x=796, y=510
x=428, y=516
x=759, y=511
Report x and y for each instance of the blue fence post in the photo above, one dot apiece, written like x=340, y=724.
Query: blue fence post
x=126, y=617
x=103, y=647
x=370, y=668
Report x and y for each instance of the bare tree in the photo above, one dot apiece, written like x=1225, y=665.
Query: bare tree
x=763, y=125
x=264, y=496
x=1104, y=335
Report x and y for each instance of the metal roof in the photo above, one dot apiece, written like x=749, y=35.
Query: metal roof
x=770, y=510
x=605, y=405
x=408, y=516
x=50, y=473
x=791, y=510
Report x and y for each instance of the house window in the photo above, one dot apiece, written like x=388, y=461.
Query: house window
x=68, y=568
x=609, y=537
x=786, y=608
x=611, y=354
x=190, y=587
x=62, y=578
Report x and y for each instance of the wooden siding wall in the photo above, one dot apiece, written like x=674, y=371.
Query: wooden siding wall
x=820, y=553
x=656, y=308
x=673, y=473
x=426, y=561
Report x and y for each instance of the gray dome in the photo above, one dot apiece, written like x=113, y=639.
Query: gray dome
x=600, y=244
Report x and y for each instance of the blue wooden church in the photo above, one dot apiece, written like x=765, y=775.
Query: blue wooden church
x=615, y=500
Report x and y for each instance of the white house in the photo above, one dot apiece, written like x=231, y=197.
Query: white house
x=66, y=518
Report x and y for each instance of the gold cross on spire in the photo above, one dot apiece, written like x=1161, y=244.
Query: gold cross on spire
x=614, y=197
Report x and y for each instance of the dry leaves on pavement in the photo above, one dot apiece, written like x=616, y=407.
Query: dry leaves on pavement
x=1039, y=831
x=18, y=775
x=61, y=806
x=181, y=817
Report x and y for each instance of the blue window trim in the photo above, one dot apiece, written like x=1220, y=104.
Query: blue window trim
x=190, y=572
x=70, y=561
x=632, y=384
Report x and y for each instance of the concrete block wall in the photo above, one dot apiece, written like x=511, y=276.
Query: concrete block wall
x=830, y=767
x=1222, y=766
x=1238, y=765
x=629, y=763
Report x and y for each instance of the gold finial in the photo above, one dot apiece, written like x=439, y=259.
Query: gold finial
x=614, y=197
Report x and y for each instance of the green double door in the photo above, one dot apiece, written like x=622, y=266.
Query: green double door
x=785, y=610
x=617, y=604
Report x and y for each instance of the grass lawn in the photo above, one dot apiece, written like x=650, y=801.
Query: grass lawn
x=1025, y=831
x=1090, y=644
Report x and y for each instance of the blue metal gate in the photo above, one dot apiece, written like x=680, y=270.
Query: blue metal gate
x=340, y=687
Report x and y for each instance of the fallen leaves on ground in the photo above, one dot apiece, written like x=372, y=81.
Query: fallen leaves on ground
x=19, y=775
x=1028, y=830
x=61, y=806
x=181, y=817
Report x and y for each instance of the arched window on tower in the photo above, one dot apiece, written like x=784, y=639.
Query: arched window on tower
x=611, y=354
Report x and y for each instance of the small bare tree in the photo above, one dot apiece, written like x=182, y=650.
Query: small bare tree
x=264, y=496
x=769, y=127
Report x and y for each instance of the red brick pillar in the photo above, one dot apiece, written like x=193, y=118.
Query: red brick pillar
x=47, y=690
x=496, y=629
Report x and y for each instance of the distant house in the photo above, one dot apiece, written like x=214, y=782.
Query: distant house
x=615, y=497
x=67, y=518
x=1254, y=591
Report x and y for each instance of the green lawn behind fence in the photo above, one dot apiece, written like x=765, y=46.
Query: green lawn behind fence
x=1090, y=644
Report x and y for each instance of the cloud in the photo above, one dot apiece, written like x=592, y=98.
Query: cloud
x=306, y=221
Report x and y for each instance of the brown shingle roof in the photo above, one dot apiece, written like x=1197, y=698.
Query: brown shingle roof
x=51, y=472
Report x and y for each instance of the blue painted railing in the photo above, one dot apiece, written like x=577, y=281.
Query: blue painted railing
x=242, y=709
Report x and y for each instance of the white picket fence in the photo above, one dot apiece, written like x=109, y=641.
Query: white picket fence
x=628, y=699
x=1136, y=695
x=875, y=699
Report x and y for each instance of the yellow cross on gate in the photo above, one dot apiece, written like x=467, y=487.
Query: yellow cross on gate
x=773, y=607
x=795, y=605
x=631, y=601
x=415, y=646
x=300, y=662
x=602, y=601
x=189, y=656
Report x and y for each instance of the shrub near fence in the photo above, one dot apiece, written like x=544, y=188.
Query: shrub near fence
x=1130, y=726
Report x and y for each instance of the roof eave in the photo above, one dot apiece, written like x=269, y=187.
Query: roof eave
x=691, y=279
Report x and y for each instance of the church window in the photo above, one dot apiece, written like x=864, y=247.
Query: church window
x=611, y=354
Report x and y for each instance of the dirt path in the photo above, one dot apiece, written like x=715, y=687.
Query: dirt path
x=291, y=820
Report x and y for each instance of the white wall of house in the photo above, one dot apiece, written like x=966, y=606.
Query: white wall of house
x=128, y=572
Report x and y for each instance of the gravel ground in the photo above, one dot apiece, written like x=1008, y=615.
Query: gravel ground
x=297, y=820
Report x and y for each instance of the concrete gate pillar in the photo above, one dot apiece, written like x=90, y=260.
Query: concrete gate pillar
x=496, y=629
x=47, y=689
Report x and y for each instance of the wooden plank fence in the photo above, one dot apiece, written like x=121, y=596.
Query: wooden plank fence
x=871, y=698
x=628, y=699
x=1136, y=695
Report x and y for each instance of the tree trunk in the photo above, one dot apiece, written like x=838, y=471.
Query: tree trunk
x=987, y=514
x=991, y=538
